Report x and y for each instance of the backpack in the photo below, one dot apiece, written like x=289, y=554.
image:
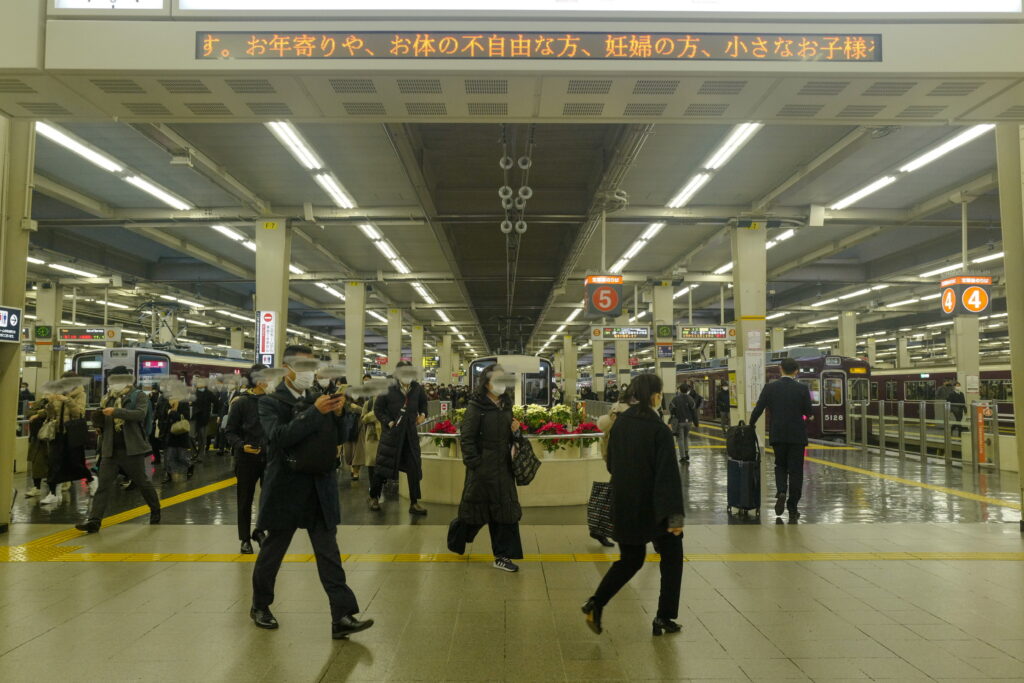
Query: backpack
x=741, y=442
x=147, y=424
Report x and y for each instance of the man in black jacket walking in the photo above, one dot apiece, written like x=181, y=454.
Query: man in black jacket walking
x=300, y=491
x=400, y=412
x=789, y=403
x=244, y=434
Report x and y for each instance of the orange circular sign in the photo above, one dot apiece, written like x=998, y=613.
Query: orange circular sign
x=948, y=300
x=975, y=299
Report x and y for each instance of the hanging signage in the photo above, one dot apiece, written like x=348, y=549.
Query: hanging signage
x=621, y=333
x=532, y=45
x=706, y=333
x=42, y=332
x=666, y=351
x=966, y=294
x=93, y=334
x=10, y=324
x=430, y=361
x=609, y=362
x=381, y=360
x=634, y=361
x=603, y=296
x=266, y=333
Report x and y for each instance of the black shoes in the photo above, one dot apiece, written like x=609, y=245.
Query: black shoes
x=154, y=516
x=347, y=626
x=603, y=540
x=90, y=526
x=417, y=509
x=259, y=536
x=593, y=612
x=263, y=618
x=374, y=505
x=665, y=626
x=780, y=503
x=793, y=516
x=246, y=548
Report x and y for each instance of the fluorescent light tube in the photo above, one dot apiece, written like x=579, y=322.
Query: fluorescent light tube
x=722, y=270
x=944, y=269
x=902, y=303
x=196, y=322
x=158, y=192
x=822, y=320
x=783, y=236
x=773, y=316
x=443, y=316
x=618, y=266
x=691, y=188
x=377, y=315
x=384, y=247
x=990, y=257
x=229, y=233
x=652, y=230
x=289, y=136
x=859, y=292
x=634, y=249
x=931, y=296
x=334, y=189
x=295, y=270
x=371, y=232
x=575, y=313
x=739, y=136
x=194, y=304
x=561, y=328
x=69, y=142
x=113, y=304
x=35, y=261
x=863, y=192
x=400, y=266
x=73, y=271
x=946, y=147
x=250, y=245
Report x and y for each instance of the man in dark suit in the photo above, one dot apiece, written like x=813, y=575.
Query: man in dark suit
x=789, y=403
x=303, y=430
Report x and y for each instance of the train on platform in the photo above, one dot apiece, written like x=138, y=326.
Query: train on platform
x=536, y=377
x=150, y=365
x=832, y=380
x=921, y=384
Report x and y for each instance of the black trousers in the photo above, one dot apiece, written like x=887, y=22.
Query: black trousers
x=505, y=539
x=377, y=485
x=157, y=445
x=328, y=565
x=249, y=471
x=670, y=548
x=789, y=471
x=134, y=467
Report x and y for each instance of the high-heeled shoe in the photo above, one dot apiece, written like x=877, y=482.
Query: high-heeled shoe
x=665, y=626
x=593, y=612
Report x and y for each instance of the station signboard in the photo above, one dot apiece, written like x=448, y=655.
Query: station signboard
x=621, y=332
x=89, y=334
x=965, y=294
x=666, y=351
x=603, y=296
x=10, y=324
x=706, y=333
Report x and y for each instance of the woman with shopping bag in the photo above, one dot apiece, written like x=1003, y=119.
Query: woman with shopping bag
x=599, y=507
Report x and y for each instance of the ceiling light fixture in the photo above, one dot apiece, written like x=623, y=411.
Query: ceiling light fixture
x=289, y=136
x=230, y=233
x=990, y=257
x=739, y=136
x=250, y=245
x=334, y=189
x=371, y=232
x=295, y=270
x=113, y=304
x=36, y=261
x=400, y=266
x=82, y=149
x=691, y=188
x=443, y=316
x=158, y=192
x=384, y=247
x=945, y=148
x=859, y=292
x=652, y=231
x=860, y=194
x=73, y=271
x=773, y=316
x=722, y=270
x=618, y=266
x=902, y=303
x=822, y=320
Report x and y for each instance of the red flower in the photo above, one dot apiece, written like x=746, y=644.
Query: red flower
x=586, y=428
x=552, y=429
x=444, y=427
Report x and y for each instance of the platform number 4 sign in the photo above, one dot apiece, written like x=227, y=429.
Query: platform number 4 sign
x=966, y=295
x=603, y=296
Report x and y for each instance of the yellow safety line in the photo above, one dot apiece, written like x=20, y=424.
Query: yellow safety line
x=70, y=534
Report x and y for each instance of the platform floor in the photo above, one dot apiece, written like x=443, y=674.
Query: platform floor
x=894, y=572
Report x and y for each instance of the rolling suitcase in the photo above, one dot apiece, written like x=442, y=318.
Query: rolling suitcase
x=743, y=486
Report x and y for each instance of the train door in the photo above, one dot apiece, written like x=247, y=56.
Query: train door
x=833, y=402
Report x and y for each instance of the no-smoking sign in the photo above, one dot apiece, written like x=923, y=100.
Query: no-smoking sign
x=603, y=296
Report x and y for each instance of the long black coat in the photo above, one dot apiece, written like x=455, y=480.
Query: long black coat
x=399, y=449
x=489, y=494
x=646, y=487
x=289, y=499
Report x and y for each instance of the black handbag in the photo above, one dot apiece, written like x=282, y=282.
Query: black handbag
x=524, y=462
x=77, y=432
x=599, y=510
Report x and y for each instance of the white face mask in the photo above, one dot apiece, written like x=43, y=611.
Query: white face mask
x=323, y=382
x=304, y=380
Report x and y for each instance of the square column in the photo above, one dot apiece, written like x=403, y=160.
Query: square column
x=750, y=302
x=237, y=338
x=664, y=315
x=902, y=352
x=597, y=352
x=273, y=254
x=778, y=338
x=570, y=370
x=17, y=163
x=872, y=350
x=394, y=338
x=355, y=329
x=848, y=333
x=965, y=333
x=622, y=367
x=444, y=367
x=417, y=347
x=719, y=349
x=49, y=310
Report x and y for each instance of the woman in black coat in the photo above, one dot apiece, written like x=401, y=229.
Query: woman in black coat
x=400, y=412
x=489, y=495
x=647, y=504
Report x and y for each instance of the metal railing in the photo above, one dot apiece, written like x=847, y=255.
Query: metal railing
x=927, y=429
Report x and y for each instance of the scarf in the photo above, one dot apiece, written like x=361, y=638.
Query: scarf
x=116, y=400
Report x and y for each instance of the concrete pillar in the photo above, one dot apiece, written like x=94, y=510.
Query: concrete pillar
x=597, y=372
x=49, y=311
x=167, y=328
x=778, y=340
x=749, y=300
x=872, y=350
x=237, y=339
x=968, y=358
x=622, y=368
x=416, y=347
x=444, y=367
x=720, y=349
x=664, y=315
x=17, y=163
x=273, y=254
x=558, y=363
x=848, y=334
x=1009, y=150
x=394, y=338
x=570, y=370
x=355, y=329
x=902, y=352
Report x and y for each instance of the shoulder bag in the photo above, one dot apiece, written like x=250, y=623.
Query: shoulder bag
x=524, y=462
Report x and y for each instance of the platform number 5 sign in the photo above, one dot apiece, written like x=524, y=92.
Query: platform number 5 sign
x=966, y=295
x=603, y=296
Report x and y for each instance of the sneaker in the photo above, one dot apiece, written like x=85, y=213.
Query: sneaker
x=93, y=485
x=66, y=486
x=33, y=492
x=417, y=509
x=505, y=565
x=50, y=499
x=374, y=505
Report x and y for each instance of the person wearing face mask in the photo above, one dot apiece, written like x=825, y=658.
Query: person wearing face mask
x=123, y=445
x=957, y=406
x=244, y=435
x=369, y=438
x=489, y=496
x=303, y=429
x=202, y=408
x=647, y=504
x=400, y=411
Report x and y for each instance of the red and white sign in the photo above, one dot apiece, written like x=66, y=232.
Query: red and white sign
x=609, y=362
x=266, y=332
x=948, y=300
x=966, y=294
x=634, y=361
x=603, y=296
x=381, y=360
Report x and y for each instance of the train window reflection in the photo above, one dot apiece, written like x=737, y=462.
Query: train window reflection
x=833, y=391
x=996, y=390
x=919, y=390
x=858, y=390
x=814, y=384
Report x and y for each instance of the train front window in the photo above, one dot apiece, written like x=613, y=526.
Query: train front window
x=91, y=366
x=814, y=385
x=833, y=391
x=152, y=368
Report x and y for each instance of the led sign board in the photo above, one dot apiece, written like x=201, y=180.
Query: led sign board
x=533, y=45
x=706, y=332
x=108, y=5
x=614, y=7
x=84, y=334
x=631, y=333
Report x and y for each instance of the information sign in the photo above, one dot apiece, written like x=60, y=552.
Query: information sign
x=609, y=362
x=10, y=324
x=621, y=333
x=665, y=351
x=634, y=361
x=445, y=407
x=42, y=332
x=706, y=333
x=381, y=360
x=95, y=334
x=965, y=294
x=430, y=361
x=603, y=296
x=266, y=333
